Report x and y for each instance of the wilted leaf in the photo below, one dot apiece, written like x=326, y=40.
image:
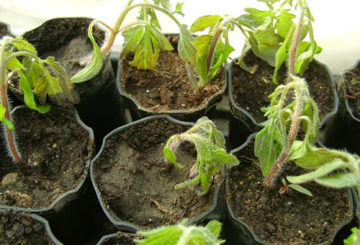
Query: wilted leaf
x=204, y=22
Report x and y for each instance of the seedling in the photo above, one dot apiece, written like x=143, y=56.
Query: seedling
x=291, y=110
x=144, y=37
x=211, y=154
x=37, y=78
x=269, y=34
x=182, y=234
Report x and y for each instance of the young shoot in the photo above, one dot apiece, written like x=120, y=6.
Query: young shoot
x=211, y=154
x=213, y=48
x=269, y=34
x=182, y=234
x=291, y=110
x=144, y=37
x=38, y=79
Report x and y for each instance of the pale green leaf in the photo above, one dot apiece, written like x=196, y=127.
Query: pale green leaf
x=318, y=173
x=132, y=37
x=316, y=158
x=178, y=9
x=3, y=119
x=202, y=45
x=340, y=180
x=280, y=57
x=204, y=22
x=254, y=17
x=214, y=227
x=95, y=64
x=300, y=189
x=13, y=63
x=187, y=50
x=284, y=22
x=164, y=43
x=222, y=52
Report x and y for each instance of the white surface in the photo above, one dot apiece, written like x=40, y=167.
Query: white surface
x=336, y=26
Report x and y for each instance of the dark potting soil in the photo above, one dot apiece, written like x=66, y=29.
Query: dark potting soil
x=122, y=239
x=167, y=87
x=352, y=89
x=261, y=86
x=66, y=40
x=290, y=218
x=4, y=30
x=24, y=230
x=55, y=150
x=137, y=185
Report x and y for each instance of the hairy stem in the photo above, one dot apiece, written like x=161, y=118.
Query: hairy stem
x=295, y=44
x=295, y=120
x=9, y=133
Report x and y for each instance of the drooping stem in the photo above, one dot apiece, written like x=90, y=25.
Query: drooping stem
x=295, y=117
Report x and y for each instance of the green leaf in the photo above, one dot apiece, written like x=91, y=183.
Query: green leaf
x=164, y=43
x=169, y=155
x=29, y=95
x=280, y=57
x=340, y=180
x=267, y=147
x=187, y=50
x=354, y=238
x=63, y=78
x=214, y=227
x=299, y=149
x=316, y=158
x=300, y=189
x=222, y=52
x=147, y=52
x=161, y=236
x=254, y=17
x=204, y=22
x=22, y=45
x=13, y=63
x=284, y=22
x=164, y=3
x=178, y=9
x=4, y=120
x=96, y=63
x=202, y=44
x=132, y=37
x=318, y=173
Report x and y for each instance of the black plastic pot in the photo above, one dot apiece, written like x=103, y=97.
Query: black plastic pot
x=117, y=238
x=245, y=235
x=31, y=218
x=191, y=114
x=211, y=213
x=70, y=195
x=57, y=33
x=246, y=117
x=343, y=130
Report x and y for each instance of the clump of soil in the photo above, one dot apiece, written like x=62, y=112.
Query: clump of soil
x=55, y=152
x=290, y=218
x=251, y=91
x=351, y=84
x=167, y=87
x=24, y=230
x=137, y=185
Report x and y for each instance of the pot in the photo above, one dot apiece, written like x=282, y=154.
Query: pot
x=260, y=216
x=161, y=91
x=125, y=192
x=56, y=149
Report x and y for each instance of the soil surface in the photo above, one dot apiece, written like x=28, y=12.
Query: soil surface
x=55, y=153
x=137, y=185
x=168, y=86
x=290, y=218
x=22, y=230
x=352, y=89
x=261, y=86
